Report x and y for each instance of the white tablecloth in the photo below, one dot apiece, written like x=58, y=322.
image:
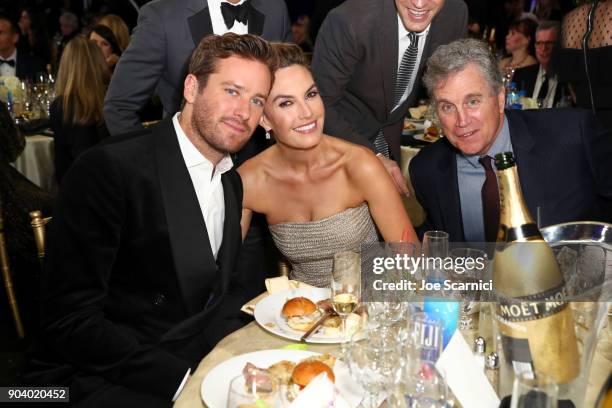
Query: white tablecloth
x=36, y=161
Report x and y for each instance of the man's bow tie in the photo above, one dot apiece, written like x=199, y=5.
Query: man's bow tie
x=233, y=13
x=10, y=62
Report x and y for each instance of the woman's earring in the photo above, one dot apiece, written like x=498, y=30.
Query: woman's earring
x=268, y=137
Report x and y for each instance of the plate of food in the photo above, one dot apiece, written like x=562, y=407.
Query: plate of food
x=411, y=127
x=431, y=134
x=292, y=368
x=291, y=313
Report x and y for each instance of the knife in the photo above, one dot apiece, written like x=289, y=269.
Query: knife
x=318, y=323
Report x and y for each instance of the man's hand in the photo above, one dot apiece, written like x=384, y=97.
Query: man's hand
x=396, y=175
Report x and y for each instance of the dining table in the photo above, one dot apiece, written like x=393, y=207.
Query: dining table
x=36, y=161
x=253, y=337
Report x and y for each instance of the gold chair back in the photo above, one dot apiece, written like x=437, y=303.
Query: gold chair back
x=38, y=228
x=8, y=279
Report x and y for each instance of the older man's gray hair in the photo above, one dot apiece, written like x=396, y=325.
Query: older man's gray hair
x=455, y=57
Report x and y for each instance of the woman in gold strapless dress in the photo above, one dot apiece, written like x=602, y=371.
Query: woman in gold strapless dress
x=320, y=194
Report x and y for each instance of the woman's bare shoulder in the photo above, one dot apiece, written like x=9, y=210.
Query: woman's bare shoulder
x=253, y=170
x=358, y=159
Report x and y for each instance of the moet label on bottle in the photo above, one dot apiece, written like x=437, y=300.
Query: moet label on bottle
x=537, y=330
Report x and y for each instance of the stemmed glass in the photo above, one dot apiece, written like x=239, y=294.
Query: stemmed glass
x=470, y=266
x=374, y=363
x=528, y=391
x=389, y=307
x=345, y=285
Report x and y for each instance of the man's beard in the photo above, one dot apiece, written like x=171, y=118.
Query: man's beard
x=205, y=126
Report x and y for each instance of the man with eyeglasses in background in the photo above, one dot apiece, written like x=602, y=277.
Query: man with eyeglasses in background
x=539, y=81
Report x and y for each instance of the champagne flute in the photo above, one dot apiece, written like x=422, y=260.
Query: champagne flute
x=470, y=266
x=345, y=285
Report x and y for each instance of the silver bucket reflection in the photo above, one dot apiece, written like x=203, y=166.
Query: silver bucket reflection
x=584, y=253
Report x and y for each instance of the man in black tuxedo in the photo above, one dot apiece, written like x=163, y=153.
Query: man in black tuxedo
x=12, y=62
x=357, y=66
x=538, y=81
x=166, y=34
x=140, y=278
x=562, y=157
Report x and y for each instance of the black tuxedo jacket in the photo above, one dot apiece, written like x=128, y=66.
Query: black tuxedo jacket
x=563, y=162
x=132, y=293
x=156, y=60
x=355, y=67
x=526, y=78
x=28, y=66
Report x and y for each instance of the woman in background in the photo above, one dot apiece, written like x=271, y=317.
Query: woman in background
x=119, y=29
x=592, y=91
x=320, y=194
x=104, y=38
x=520, y=44
x=76, y=114
x=34, y=38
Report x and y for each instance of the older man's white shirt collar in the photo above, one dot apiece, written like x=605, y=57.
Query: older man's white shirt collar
x=193, y=157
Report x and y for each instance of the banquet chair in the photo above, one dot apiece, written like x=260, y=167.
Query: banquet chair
x=8, y=279
x=38, y=224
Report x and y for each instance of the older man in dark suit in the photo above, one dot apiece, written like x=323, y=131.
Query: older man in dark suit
x=563, y=158
x=140, y=278
x=368, y=61
x=539, y=81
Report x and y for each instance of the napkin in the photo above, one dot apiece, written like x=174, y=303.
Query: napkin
x=273, y=285
x=320, y=393
x=464, y=376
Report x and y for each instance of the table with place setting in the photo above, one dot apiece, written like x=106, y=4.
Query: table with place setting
x=255, y=344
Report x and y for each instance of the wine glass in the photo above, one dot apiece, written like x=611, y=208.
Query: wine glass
x=470, y=266
x=373, y=359
x=345, y=285
x=262, y=393
x=529, y=391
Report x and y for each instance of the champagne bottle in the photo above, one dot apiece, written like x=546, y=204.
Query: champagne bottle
x=536, y=325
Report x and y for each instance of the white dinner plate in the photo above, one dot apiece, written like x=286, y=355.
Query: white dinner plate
x=215, y=386
x=268, y=314
x=421, y=137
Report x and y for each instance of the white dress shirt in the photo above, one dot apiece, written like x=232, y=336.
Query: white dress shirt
x=404, y=43
x=219, y=27
x=206, y=179
x=549, y=100
x=6, y=69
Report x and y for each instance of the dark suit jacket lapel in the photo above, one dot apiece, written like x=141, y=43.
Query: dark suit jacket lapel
x=388, y=42
x=231, y=232
x=526, y=160
x=256, y=21
x=193, y=258
x=200, y=24
x=448, y=194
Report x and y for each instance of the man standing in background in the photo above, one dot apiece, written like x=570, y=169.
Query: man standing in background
x=368, y=60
